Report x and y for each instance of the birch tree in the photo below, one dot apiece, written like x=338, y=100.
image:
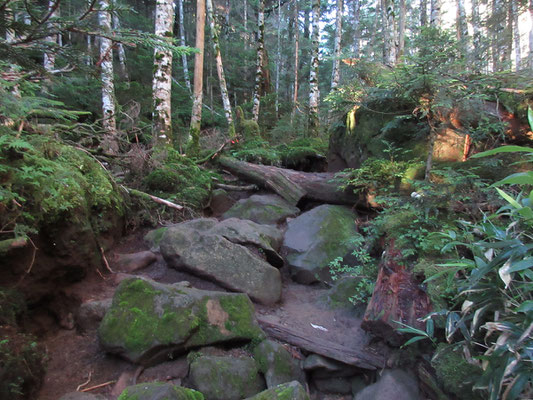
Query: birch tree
x=183, y=43
x=278, y=58
x=388, y=36
x=162, y=79
x=335, y=75
x=49, y=60
x=260, y=57
x=196, y=114
x=435, y=17
x=220, y=68
x=401, y=31
x=296, y=60
x=314, y=94
x=121, y=52
x=110, y=143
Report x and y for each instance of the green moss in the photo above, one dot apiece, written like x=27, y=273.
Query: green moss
x=157, y=389
x=241, y=317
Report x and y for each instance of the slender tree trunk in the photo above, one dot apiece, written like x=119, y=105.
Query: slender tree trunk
x=423, y=13
x=477, y=36
x=516, y=36
x=530, y=55
x=335, y=75
x=357, y=27
x=435, y=13
x=162, y=80
x=183, y=43
x=462, y=28
x=110, y=143
x=296, y=61
x=220, y=68
x=507, y=54
x=121, y=51
x=196, y=115
x=260, y=56
x=495, y=36
x=401, y=31
x=245, y=22
x=388, y=37
x=50, y=56
x=278, y=59
x=314, y=94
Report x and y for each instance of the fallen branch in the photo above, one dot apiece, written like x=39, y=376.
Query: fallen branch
x=84, y=383
x=158, y=200
x=97, y=386
x=236, y=187
x=105, y=260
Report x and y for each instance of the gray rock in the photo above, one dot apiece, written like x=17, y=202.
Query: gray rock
x=150, y=321
x=81, y=396
x=221, y=202
x=333, y=385
x=286, y=391
x=394, y=384
x=159, y=391
x=226, y=377
x=153, y=238
x=263, y=209
x=215, y=258
x=135, y=261
x=322, y=367
x=315, y=238
x=277, y=364
x=90, y=314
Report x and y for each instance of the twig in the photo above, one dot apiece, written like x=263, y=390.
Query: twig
x=97, y=386
x=101, y=276
x=105, y=260
x=159, y=200
x=84, y=383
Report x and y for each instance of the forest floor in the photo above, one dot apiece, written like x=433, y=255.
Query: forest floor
x=74, y=357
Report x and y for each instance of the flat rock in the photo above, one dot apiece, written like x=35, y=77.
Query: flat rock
x=286, y=391
x=226, y=377
x=323, y=367
x=394, y=384
x=149, y=321
x=277, y=364
x=316, y=238
x=159, y=391
x=134, y=261
x=264, y=209
x=215, y=258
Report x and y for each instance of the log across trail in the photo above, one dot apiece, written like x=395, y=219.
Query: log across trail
x=294, y=186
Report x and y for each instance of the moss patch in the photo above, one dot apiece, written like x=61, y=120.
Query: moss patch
x=159, y=390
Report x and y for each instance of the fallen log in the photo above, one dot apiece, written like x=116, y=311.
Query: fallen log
x=293, y=185
x=397, y=296
x=366, y=358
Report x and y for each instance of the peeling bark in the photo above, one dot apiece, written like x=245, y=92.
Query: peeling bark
x=196, y=115
x=220, y=68
x=314, y=94
x=162, y=79
x=260, y=56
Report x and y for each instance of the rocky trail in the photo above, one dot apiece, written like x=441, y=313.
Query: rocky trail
x=175, y=316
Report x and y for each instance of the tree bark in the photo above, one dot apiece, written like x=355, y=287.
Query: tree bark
x=260, y=55
x=516, y=36
x=196, y=115
x=530, y=55
x=121, y=52
x=357, y=28
x=220, y=69
x=296, y=61
x=162, y=80
x=314, y=94
x=50, y=56
x=278, y=59
x=477, y=35
x=335, y=75
x=435, y=13
x=424, y=13
x=401, y=31
x=462, y=28
x=110, y=143
x=183, y=43
x=387, y=17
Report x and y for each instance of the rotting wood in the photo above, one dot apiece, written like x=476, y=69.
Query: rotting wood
x=236, y=187
x=293, y=185
x=365, y=358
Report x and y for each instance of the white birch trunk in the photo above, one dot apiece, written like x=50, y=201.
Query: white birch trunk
x=9, y=19
x=183, y=43
x=162, y=79
x=196, y=115
x=296, y=60
x=121, y=51
x=110, y=143
x=260, y=56
x=278, y=59
x=401, y=31
x=516, y=36
x=50, y=56
x=314, y=94
x=335, y=74
x=435, y=18
x=530, y=55
x=220, y=68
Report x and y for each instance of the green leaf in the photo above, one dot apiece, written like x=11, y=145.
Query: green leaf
x=413, y=340
x=503, y=149
x=521, y=265
x=520, y=178
x=530, y=116
x=509, y=199
x=525, y=307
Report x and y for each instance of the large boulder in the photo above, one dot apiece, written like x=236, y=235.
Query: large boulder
x=316, y=238
x=263, y=209
x=90, y=314
x=150, y=321
x=159, y=391
x=81, y=396
x=394, y=384
x=286, y=391
x=215, y=258
x=226, y=377
x=277, y=364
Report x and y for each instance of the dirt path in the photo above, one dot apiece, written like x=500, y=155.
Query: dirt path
x=72, y=356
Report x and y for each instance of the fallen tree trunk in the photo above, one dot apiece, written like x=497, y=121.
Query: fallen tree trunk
x=366, y=358
x=293, y=185
x=397, y=296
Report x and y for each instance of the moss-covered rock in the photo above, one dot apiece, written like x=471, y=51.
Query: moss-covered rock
x=246, y=128
x=346, y=291
x=316, y=238
x=454, y=373
x=277, y=364
x=225, y=377
x=159, y=391
x=262, y=209
x=286, y=391
x=149, y=321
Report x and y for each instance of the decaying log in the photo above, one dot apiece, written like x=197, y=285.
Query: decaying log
x=397, y=296
x=236, y=188
x=366, y=358
x=293, y=185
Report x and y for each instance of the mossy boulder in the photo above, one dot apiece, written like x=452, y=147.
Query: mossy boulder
x=263, y=209
x=81, y=396
x=344, y=293
x=150, y=321
x=454, y=374
x=159, y=391
x=277, y=364
x=215, y=258
x=246, y=128
x=316, y=238
x=286, y=391
x=225, y=377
